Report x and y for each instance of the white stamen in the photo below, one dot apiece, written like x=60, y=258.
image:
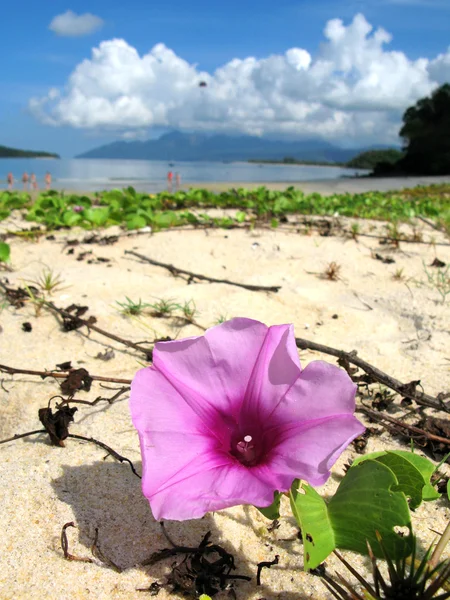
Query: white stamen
x=248, y=439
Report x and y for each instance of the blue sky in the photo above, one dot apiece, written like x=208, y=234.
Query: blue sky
x=209, y=35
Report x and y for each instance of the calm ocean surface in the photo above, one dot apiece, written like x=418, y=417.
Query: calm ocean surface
x=98, y=174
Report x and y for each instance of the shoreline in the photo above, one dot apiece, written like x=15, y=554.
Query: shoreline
x=325, y=187
x=350, y=185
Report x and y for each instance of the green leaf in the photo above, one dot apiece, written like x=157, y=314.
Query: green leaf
x=136, y=222
x=366, y=502
x=240, y=216
x=310, y=512
x=71, y=218
x=412, y=471
x=96, y=216
x=448, y=489
x=5, y=252
x=273, y=511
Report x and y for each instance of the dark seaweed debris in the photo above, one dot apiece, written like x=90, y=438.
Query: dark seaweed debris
x=57, y=425
x=203, y=570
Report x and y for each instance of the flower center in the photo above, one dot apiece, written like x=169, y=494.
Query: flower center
x=245, y=451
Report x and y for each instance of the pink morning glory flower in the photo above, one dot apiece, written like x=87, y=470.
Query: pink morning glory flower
x=229, y=417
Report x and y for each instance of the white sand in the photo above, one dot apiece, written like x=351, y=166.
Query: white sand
x=401, y=326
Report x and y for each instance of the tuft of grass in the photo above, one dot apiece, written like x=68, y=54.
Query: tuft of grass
x=36, y=300
x=439, y=280
x=129, y=307
x=355, y=230
x=417, y=235
x=164, y=308
x=48, y=281
x=332, y=271
x=398, y=275
x=221, y=319
x=189, y=310
x=393, y=233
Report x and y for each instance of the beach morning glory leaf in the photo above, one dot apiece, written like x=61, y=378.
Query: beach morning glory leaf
x=311, y=513
x=367, y=503
x=230, y=417
x=273, y=511
x=412, y=471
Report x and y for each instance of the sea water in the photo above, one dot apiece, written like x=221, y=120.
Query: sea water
x=151, y=176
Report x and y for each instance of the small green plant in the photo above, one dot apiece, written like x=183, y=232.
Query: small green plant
x=163, y=308
x=408, y=579
x=129, y=307
x=417, y=235
x=393, y=233
x=439, y=280
x=5, y=252
x=36, y=300
x=189, y=310
x=221, y=319
x=48, y=281
x=398, y=275
x=355, y=230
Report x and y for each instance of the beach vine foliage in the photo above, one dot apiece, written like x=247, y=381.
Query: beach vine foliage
x=135, y=210
x=5, y=252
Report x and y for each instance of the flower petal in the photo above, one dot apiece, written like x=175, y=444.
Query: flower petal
x=322, y=390
x=171, y=433
x=275, y=372
x=216, y=366
x=208, y=484
x=308, y=451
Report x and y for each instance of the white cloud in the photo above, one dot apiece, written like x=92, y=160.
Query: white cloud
x=69, y=24
x=352, y=89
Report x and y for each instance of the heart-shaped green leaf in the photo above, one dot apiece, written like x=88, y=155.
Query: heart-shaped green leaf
x=365, y=503
x=412, y=471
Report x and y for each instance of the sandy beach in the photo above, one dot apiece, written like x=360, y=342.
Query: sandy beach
x=343, y=185
x=388, y=311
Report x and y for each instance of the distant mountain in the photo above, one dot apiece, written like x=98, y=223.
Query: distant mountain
x=177, y=146
x=6, y=152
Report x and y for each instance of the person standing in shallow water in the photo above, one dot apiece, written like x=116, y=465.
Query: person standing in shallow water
x=169, y=181
x=177, y=182
x=33, y=182
x=10, y=180
x=25, y=180
x=48, y=180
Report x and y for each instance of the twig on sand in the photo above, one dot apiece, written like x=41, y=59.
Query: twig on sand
x=17, y=436
x=377, y=416
x=176, y=272
x=81, y=438
x=59, y=375
x=430, y=223
x=108, y=449
x=407, y=390
x=90, y=325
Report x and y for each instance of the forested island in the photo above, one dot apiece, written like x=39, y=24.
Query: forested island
x=6, y=152
x=368, y=159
